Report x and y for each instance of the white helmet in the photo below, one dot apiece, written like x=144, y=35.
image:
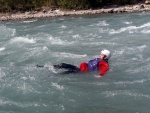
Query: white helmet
x=106, y=52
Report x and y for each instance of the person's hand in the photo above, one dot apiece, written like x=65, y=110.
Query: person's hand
x=98, y=76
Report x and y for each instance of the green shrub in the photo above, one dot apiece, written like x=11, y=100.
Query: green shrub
x=24, y=5
x=74, y=4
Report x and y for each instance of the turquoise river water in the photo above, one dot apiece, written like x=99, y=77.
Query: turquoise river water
x=24, y=88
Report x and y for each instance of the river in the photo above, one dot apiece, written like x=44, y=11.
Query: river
x=125, y=88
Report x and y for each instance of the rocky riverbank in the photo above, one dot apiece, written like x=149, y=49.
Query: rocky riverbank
x=55, y=13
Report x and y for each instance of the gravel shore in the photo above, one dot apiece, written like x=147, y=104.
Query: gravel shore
x=57, y=12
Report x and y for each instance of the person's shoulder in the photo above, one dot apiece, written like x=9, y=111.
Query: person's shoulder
x=103, y=62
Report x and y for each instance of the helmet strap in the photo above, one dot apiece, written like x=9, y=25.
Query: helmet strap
x=105, y=57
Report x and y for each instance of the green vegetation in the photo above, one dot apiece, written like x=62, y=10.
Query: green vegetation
x=27, y=5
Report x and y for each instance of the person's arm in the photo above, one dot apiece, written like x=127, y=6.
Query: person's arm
x=103, y=67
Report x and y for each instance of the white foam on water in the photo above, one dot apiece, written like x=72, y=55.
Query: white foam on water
x=2, y=74
x=119, y=52
x=122, y=82
x=144, y=25
x=58, y=41
x=45, y=48
x=112, y=31
x=130, y=82
x=32, y=78
x=142, y=47
x=13, y=32
x=110, y=94
x=101, y=30
x=99, y=43
x=51, y=68
x=24, y=78
x=68, y=55
x=139, y=69
x=4, y=101
x=93, y=35
x=57, y=86
x=130, y=50
x=126, y=93
x=145, y=31
x=29, y=21
x=24, y=87
x=23, y=39
x=7, y=31
x=2, y=48
x=76, y=36
x=41, y=26
x=102, y=23
x=63, y=26
x=127, y=23
x=131, y=29
x=62, y=107
x=133, y=94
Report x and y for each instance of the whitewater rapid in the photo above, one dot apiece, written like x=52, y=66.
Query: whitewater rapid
x=26, y=43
